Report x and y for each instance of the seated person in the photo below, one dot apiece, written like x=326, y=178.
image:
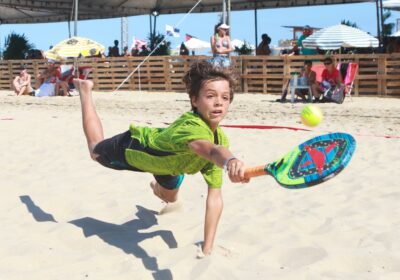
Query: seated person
x=308, y=77
x=331, y=79
x=22, y=83
x=50, y=82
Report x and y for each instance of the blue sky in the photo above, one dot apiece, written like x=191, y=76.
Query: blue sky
x=201, y=25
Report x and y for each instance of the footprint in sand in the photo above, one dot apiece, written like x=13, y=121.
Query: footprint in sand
x=298, y=257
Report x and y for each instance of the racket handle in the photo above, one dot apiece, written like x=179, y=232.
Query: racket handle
x=255, y=171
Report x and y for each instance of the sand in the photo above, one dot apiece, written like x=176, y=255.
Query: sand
x=65, y=217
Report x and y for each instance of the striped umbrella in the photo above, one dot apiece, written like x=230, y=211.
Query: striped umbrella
x=75, y=47
x=337, y=36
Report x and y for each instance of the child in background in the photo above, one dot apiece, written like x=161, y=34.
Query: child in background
x=193, y=143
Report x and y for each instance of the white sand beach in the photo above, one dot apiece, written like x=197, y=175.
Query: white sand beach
x=65, y=217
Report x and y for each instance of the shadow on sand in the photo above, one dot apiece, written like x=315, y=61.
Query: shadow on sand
x=38, y=214
x=127, y=237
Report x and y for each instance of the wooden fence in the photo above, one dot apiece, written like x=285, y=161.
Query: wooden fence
x=378, y=74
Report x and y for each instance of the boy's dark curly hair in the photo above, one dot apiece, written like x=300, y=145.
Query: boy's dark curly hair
x=202, y=72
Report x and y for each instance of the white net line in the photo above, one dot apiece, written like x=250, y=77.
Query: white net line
x=156, y=47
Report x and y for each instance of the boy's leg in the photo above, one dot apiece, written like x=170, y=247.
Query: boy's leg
x=90, y=120
x=164, y=194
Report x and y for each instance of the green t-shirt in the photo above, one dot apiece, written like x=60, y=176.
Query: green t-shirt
x=303, y=50
x=172, y=143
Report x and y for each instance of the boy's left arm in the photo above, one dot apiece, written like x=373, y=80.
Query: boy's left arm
x=220, y=156
x=214, y=205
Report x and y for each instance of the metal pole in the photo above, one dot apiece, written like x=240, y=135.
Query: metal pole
x=228, y=16
x=155, y=23
x=223, y=11
x=378, y=27
x=151, y=28
x=76, y=18
x=255, y=23
x=382, y=24
x=1, y=48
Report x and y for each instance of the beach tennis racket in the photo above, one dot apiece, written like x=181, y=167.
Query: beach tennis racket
x=313, y=162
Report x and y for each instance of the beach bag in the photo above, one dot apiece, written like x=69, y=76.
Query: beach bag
x=334, y=94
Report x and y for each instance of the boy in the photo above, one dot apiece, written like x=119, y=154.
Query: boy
x=193, y=143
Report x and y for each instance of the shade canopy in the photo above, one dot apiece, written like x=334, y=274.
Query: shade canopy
x=195, y=44
x=75, y=47
x=337, y=36
x=28, y=11
x=391, y=5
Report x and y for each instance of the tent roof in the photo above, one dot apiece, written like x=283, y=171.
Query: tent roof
x=28, y=11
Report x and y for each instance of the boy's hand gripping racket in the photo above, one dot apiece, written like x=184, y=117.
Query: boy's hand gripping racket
x=310, y=163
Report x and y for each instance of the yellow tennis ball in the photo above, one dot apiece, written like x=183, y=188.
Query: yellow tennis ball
x=311, y=115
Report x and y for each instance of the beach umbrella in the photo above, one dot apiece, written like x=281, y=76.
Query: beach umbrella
x=391, y=5
x=195, y=44
x=75, y=47
x=337, y=36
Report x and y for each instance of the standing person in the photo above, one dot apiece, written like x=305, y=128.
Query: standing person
x=263, y=48
x=22, y=83
x=221, y=46
x=183, y=50
x=193, y=143
x=115, y=49
x=126, y=51
x=305, y=51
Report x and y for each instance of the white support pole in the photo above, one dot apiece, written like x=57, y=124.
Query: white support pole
x=76, y=18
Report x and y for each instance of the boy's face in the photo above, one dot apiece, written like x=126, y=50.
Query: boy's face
x=213, y=102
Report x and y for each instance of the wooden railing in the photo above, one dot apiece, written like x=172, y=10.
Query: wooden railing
x=378, y=74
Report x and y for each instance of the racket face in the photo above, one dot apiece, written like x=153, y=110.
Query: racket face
x=314, y=161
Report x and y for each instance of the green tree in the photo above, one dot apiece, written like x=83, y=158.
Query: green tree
x=163, y=49
x=16, y=46
x=349, y=23
x=245, y=49
x=387, y=27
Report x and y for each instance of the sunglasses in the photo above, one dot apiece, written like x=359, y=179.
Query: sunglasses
x=327, y=63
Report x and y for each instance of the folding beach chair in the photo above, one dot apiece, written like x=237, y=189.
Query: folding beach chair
x=351, y=73
x=84, y=72
x=67, y=73
x=318, y=69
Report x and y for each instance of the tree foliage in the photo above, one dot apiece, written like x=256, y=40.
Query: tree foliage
x=387, y=27
x=245, y=49
x=349, y=23
x=163, y=49
x=17, y=46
